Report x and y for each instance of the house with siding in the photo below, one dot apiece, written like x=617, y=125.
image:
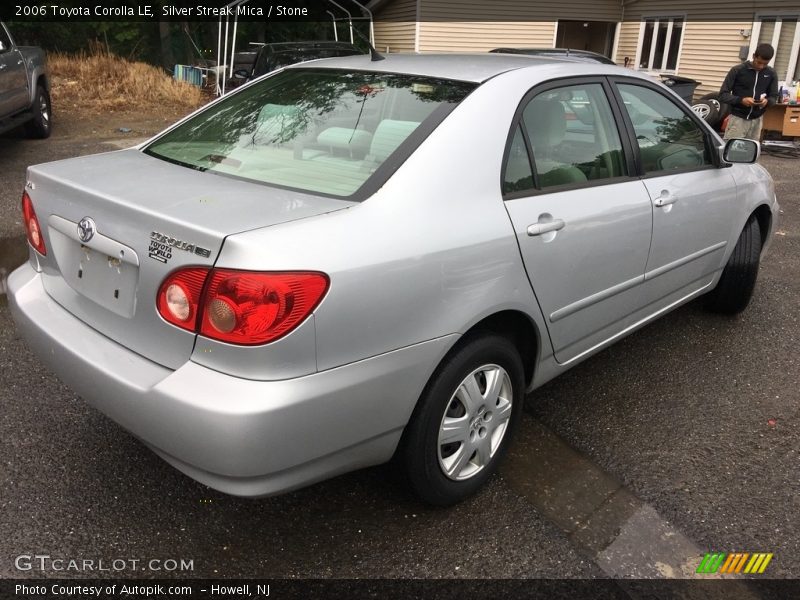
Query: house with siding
x=700, y=39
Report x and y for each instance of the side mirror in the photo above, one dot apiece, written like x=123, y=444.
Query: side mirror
x=741, y=151
x=2, y=47
x=241, y=74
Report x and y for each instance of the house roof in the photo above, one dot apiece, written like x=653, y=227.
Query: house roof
x=377, y=4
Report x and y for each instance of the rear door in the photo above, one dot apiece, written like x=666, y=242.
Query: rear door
x=690, y=193
x=582, y=220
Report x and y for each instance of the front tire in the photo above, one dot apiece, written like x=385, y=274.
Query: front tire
x=41, y=125
x=464, y=421
x=735, y=287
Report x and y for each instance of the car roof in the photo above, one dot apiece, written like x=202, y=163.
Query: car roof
x=473, y=67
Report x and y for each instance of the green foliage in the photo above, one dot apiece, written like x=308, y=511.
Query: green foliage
x=124, y=38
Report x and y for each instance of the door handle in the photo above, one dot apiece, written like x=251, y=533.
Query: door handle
x=547, y=227
x=665, y=199
x=3, y=67
x=19, y=62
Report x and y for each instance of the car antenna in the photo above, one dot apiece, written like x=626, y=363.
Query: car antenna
x=375, y=56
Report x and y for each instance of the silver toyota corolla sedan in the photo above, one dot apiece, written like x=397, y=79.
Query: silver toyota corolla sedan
x=350, y=260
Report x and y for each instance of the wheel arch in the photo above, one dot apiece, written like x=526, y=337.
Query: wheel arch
x=520, y=329
x=763, y=215
x=39, y=76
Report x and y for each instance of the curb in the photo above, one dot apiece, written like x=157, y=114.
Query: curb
x=622, y=534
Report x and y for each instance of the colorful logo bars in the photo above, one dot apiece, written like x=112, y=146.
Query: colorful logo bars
x=735, y=562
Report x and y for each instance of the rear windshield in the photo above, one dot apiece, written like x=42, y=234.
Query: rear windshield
x=316, y=130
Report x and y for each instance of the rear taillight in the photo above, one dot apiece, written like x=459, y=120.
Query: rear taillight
x=240, y=307
x=35, y=237
x=179, y=297
x=248, y=308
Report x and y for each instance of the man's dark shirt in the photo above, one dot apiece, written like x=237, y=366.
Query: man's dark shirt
x=743, y=81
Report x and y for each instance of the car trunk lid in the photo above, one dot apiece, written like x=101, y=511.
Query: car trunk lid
x=147, y=218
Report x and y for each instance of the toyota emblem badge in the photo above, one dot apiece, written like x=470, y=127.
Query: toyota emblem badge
x=86, y=229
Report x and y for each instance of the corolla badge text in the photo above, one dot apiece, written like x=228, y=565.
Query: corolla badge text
x=161, y=246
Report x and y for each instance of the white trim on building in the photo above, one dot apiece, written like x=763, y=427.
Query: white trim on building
x=657, y=19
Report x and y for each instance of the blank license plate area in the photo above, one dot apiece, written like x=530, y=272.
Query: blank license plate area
x=107, y=280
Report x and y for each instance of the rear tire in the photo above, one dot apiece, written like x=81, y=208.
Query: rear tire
x=735, y=287
x=41, y=125
x=455, y=439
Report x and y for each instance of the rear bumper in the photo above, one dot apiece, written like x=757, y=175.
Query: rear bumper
x=243, y=437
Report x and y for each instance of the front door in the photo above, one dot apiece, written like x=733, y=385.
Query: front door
x=583, y=222
x=691, y=220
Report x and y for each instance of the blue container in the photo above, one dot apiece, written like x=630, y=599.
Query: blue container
x=191, y=75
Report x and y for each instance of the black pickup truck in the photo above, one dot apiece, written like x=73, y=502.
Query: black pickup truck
x=24, y=88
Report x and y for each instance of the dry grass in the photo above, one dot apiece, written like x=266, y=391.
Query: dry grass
x=100, y=82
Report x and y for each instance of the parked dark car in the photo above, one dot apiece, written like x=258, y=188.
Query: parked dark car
x=277, y=55
x=24, y=88
x=579, y=55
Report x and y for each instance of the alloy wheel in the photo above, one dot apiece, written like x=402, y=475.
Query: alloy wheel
x=475, y=422
x=701, y=110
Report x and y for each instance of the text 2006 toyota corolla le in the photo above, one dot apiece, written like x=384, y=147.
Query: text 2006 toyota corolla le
x=351, y=259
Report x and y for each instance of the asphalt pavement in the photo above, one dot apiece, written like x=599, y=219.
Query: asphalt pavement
x=76, y=485
x=689, y=427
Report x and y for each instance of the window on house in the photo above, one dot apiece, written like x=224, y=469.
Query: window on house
x=782, y=33
x=660, y=43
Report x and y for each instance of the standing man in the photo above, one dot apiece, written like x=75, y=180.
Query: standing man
x=749, y=88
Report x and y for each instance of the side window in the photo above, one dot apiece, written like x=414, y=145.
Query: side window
x=668, y=138
x=574, y=136
x=517, y=176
